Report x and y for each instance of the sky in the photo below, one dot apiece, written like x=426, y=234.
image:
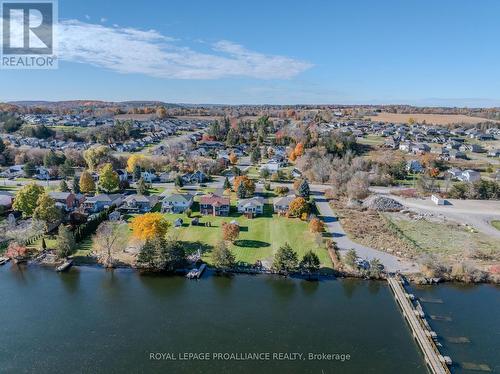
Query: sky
x=418, y=52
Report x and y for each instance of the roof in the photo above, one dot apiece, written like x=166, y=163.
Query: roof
x=214, y=200
x=60, y=195
x=285, y=200
x=182, y=198
x=102, y=198
x=251, y=201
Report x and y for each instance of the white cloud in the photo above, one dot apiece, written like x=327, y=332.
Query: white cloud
x=129, y=50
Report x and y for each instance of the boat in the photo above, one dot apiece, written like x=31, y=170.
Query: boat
x=196, y=273
x=64, y=266
x=4, y=260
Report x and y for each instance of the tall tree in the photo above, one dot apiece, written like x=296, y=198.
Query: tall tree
x=107, y=242
x=27, y=198
x=149, y=226
x=285, y=260
x=87, y=184
x=227, y=184
x=63, y=186
x=241, y=192
x=29, y=169
x=222, y=257
x=310, y=262
x=108, y=178
x=75, y=185
x=142, y=187
x=65, y=242
x=304, y=190
x=46, y=210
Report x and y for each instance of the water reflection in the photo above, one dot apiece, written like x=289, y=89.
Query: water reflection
x=283, y=288
x=349, y=286
x=309, y=287
x=70, y=280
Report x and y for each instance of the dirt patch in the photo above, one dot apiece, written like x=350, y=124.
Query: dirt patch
x=435, y=119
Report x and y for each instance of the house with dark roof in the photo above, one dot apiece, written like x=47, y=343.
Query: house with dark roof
x=251, y=207
x=97, y=203
x=65, y=200
x=215, y=205
x=138, y=203
x=282, y=204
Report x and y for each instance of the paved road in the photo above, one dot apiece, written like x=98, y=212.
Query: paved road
x=391, y=263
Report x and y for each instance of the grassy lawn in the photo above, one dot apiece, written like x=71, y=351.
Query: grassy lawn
x=496, y=224
x=372, y=140
x=449, y=240
x=259, y=238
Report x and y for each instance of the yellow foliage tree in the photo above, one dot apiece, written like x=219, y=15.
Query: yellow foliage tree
x=87, y=184
x=233, y=159
x=135, y=159
x=149, y=226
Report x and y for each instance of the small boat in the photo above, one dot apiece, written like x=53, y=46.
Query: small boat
x=64, y=266
x=196, y=273
x=4, y=260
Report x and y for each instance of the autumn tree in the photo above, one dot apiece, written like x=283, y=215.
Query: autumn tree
x=316, y=225
x=149, y=226
x=358, y=186
x=95, y=156
x=161, y=113
x=247, y=182
x=46, y=210
x=87, y=184
x=108, y=178
x=282, y=191
x=142, y=187
x=299, y=149
x=233, y=159
x=27, y=198
x=16, y=250
x=292, y=156
x=135, y=160
x=222, y=257
x=285, y=260
x=230, y=231
x=65, y=244
x=297, y=207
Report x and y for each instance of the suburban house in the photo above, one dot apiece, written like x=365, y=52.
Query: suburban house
x=97, y=203
x=42, y=173
x=272, y=166
x=494, y=153
x=65, y=200
x=196, y=177
x=138, y=203
x=251, y=207
x=148, y=176
x=6, y=200
x=212, y=204
x=122, y=175
x=469, y=176
x=15, y=171
x=414, y=166
x=177, y=203
x=282, y=204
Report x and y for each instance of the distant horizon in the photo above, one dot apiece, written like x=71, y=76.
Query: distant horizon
x=279, y=53
x=361, y=104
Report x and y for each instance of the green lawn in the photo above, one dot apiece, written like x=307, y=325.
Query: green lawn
x=496, y=224
x=259, y=237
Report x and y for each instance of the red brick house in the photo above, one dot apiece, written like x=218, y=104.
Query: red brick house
x=215, y=205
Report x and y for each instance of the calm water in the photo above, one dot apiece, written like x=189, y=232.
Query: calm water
x=90, y=320
x=465, y=311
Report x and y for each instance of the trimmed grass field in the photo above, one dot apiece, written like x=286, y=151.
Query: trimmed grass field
x=259, y=238
x=496, y=224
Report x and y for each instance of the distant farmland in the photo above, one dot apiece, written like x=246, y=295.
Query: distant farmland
x=435, y=119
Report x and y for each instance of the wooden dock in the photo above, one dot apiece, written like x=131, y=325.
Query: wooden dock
x=196, y=273
x=425, y=339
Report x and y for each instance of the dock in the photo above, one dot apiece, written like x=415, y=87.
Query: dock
x=64, y=266
x=196, y=273
x=437, y=363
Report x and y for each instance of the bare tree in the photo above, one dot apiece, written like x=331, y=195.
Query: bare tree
x=107, y=241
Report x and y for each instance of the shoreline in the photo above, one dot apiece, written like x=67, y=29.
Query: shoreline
x=414, y=279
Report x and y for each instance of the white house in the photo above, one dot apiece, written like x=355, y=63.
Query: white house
x=177, y=203
x=469, y=176
x=252, y=206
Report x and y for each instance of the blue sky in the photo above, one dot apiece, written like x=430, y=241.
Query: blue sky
x=277, y=52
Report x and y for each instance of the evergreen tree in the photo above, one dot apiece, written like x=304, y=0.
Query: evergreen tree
x=310, y=262
x=255, y=155
x=222, y=256
x=65, y=242
x=137, y=172
x=241, y=191
x=285, y=260
x=75, y=185
x=178, y=181
x=303, y=190
x=227, y=184
x=29, y=169
x=63, y=186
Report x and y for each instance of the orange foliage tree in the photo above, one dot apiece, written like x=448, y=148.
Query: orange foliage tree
x=298, y=206
x=230, y=231
x=293, y=156
x=299, y=149
x=149, y=226
x=247, y=182
x=233, y=159
x=16, y=250
x=316, y=225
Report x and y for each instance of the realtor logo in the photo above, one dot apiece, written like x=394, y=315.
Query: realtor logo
x=28, y=34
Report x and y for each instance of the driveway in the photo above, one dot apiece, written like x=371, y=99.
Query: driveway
x=391, y=263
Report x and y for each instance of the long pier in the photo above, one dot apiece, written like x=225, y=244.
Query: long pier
x=435, y=361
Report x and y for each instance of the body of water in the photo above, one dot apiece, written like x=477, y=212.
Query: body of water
x=92, y=320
